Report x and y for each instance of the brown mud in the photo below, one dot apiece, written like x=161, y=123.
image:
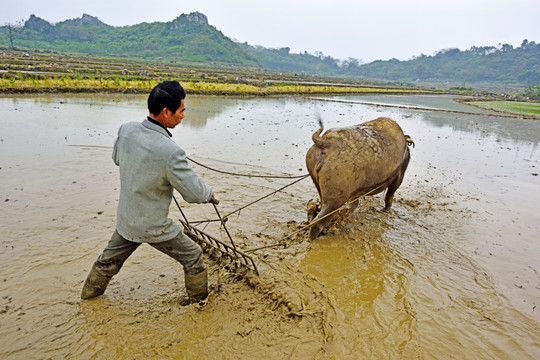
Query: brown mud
x=376, y=285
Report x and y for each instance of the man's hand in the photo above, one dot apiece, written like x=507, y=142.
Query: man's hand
x=213, y=200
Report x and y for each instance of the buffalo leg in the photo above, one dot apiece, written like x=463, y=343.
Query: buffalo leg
x=316, y=228
x=394, y=185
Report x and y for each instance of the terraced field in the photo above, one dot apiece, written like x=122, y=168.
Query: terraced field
x=55, y=72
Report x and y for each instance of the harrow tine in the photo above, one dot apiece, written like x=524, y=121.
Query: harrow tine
x=211, y=244
x=208, y=241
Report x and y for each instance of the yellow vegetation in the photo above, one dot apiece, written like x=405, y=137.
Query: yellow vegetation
x=68, y=84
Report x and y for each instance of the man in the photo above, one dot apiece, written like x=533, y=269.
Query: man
x=151, y=166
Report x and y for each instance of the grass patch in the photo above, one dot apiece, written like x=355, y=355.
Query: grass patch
x=512, y=107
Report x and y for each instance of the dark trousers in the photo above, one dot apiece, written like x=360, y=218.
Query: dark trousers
x=181, y=248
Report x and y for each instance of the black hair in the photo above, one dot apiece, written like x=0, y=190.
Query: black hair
x=166, y=94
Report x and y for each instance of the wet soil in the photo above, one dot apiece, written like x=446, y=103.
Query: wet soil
x=452, y=269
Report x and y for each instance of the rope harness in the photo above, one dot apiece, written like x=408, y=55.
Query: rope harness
x=224, y=219
x=242, y=258
x=209, y=242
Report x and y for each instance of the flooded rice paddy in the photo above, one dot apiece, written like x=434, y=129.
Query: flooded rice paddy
x=450, y=273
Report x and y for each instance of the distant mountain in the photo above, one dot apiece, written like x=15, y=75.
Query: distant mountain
x=189, y=38
x=478, y=65
x=475, y=67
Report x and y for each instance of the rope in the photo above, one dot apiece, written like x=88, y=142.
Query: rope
x=299, y=178
x=246, y=175
x=265, y=196
x=223, y=225
x=378, y=187
x=327, y=215
x=205, y=166
x=288, y=236
x=224, y=218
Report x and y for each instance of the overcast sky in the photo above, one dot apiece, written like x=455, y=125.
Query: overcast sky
x=367, y=30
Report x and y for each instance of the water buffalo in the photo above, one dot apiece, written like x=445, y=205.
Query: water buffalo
x=347, y=163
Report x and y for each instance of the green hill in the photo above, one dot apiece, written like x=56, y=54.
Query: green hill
x=478, y=65
x=282, y=60
x=189, y=38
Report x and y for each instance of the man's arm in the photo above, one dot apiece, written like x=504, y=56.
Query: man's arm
x=185, y=181
x=115, y=149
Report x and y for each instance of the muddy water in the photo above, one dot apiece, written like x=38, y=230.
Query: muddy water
x=451, y=272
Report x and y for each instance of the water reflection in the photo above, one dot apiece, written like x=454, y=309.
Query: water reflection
x=517, y=130
x=503, y=128
x=291, y=114
x=202, y=109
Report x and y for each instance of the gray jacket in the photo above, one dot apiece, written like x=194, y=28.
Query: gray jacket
x=151, y=165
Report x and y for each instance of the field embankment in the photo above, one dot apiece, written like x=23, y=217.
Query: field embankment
x=24, y=72
x=530, y=109
x=51, y=72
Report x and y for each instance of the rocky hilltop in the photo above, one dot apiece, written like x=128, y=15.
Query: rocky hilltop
x=188, y=38
x=86, y=20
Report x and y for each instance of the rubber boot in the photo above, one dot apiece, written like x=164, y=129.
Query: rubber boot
x=94, y=285
x=197, y=286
